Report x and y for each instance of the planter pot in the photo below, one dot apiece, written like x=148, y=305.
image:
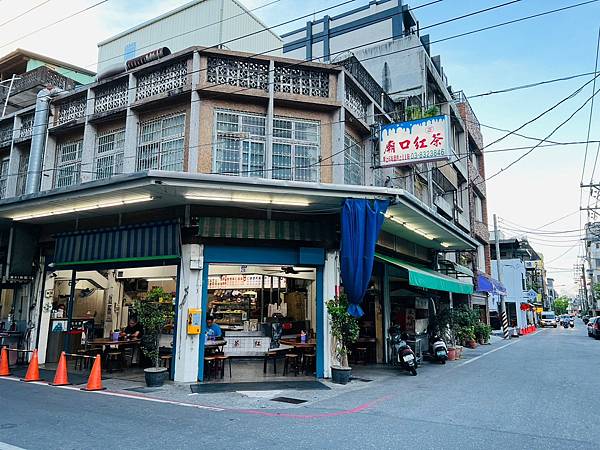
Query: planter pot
x=472, y=344
x=459, y=351
x=341, y=375
x=451, y=354
x=155, y=376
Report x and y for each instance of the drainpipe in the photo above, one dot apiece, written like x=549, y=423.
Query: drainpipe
x=38, y=138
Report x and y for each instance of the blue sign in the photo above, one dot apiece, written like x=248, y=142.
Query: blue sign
x=532, y=295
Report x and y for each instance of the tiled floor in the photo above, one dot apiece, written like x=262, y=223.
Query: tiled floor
x=252, y=370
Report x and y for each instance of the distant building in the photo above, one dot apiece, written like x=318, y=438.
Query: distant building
x=207, y=23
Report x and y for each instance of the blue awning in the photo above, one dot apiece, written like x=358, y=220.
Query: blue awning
x=485, y=283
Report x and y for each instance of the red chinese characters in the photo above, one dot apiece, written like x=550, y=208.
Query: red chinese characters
x=436, y=139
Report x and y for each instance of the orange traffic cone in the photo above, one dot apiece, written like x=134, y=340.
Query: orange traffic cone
x=33, y=371
x=4, y=369
x=95, y=380
x=61, y=378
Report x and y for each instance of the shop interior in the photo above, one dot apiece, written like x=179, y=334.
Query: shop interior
x=267, y=315
x=102, y=309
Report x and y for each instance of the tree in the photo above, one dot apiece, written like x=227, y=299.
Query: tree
x=561, y=304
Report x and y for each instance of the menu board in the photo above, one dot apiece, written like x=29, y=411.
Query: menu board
x=245, y=282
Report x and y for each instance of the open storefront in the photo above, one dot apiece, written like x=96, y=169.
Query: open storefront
x=91, y=290
x=268, y=303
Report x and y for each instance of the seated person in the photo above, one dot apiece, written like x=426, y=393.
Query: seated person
x=212, y=329
x=133, y=330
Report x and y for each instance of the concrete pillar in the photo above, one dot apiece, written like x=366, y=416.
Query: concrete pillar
x=337, y=134
x=45, y=309
x=49, y=164
x=89, y=141
x=331, y=279
x=13, y=163
x=194, y=137
x=187, y=346
x=131, y=130
x=368, y=146
x=270, y=117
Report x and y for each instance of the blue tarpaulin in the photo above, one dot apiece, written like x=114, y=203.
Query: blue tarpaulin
x=488, y=284
x=361, y=223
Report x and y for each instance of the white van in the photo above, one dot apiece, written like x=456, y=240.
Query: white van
x=548, y=319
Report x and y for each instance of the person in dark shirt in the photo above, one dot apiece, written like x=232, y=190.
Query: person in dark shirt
x=133, y=330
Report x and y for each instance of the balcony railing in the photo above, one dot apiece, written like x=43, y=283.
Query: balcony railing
x=111, y=96
x=301, y=81
x=364, y=78
x=40, y=76
x=6, y=135
x=238, y=72
x=72, y=109
x=356, y=102
x=162, y=79
x=26, y=130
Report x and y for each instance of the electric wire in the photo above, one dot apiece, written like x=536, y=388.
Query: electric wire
x=18, y=16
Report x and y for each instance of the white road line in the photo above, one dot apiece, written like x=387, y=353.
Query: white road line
x=5, y=446
x=123, y=395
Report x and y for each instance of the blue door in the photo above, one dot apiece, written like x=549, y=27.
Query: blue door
x=304, y=256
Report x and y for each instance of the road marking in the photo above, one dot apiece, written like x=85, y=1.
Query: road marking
x=5, y=446
x=486, y=353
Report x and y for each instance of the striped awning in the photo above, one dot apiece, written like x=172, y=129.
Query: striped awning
x=242, y=228
x=135, y=243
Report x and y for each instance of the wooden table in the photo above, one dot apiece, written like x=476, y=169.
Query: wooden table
x=300, y=345
x=215, y=346
x=107, y=341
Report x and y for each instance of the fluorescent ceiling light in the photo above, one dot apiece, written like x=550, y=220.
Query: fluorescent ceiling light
x=82, y=207
x=160, y=279
x=412, y=228
x=262, y=201
x=445, y=244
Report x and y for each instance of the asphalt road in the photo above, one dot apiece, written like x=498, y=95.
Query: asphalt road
x=536, y=392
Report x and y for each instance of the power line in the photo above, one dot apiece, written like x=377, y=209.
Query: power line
x=54, y=23
x=12, y=19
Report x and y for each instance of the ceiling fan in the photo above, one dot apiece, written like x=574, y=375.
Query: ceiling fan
x=289, y=270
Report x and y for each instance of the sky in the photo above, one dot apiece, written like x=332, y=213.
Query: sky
x=539, y=189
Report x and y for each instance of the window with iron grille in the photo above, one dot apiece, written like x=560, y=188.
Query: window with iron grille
x=354, y=163
x=22, y=173
x=109, y=153
x=161, y=143
x=296, y=150
x=68, y=163
x=3, y=176
x=240, y=144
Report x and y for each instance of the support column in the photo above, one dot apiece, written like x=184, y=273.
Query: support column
x=337, y=134
x=270, y=117
x=70, y=306
x=131, y=130
x=331, y=276
x=194, y=139
x=89, y=141
x=44, y=322
x=387, y=310
x=13, y=162
x=187, y=346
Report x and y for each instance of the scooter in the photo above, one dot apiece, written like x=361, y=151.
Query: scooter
x=438, y=350
x=566, y=324
x=402, y=354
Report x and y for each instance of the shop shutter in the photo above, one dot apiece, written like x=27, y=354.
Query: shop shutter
x=136, y=243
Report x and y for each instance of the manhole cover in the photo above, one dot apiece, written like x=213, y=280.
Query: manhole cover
x=294, y=401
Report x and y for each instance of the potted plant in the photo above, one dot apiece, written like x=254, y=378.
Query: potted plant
x=482, y=333
x=153, y=314
x=345, y=331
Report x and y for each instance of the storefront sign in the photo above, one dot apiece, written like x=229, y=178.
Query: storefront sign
x=416, y=141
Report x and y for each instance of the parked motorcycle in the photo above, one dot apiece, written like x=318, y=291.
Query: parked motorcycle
x=438, y=349
x=402, y=354
x=566, y=324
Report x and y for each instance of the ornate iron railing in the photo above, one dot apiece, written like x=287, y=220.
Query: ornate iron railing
x=40, y=76
x=356, y=102
x=26, y=130
x=111, y=96
x=238, y=72
x=163, y=79
x=72, y=109
x=6, y=134
x=364, y=78
x=301, y=81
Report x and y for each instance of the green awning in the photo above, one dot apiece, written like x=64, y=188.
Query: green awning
x=426, y=278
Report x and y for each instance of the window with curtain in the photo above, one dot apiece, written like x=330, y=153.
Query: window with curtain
x=109, y=153
x=354, y=161
x=296, y=150
x=161, y=143
x=240, y=144
x=68, y=163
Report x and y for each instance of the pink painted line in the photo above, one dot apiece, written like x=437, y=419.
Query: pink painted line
x=343, y=412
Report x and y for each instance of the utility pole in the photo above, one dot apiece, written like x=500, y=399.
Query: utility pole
x=585, y=291
x=499, y=270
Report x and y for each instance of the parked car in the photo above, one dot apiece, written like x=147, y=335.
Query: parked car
x=585, y=319
x=548, y=319
x=593, y=327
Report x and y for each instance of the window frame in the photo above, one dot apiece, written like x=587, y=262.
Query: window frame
x=158, y=147
x=116, y=154
x=297, y=143
x=70, y=167
x=4, y=166
x=350, y=162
